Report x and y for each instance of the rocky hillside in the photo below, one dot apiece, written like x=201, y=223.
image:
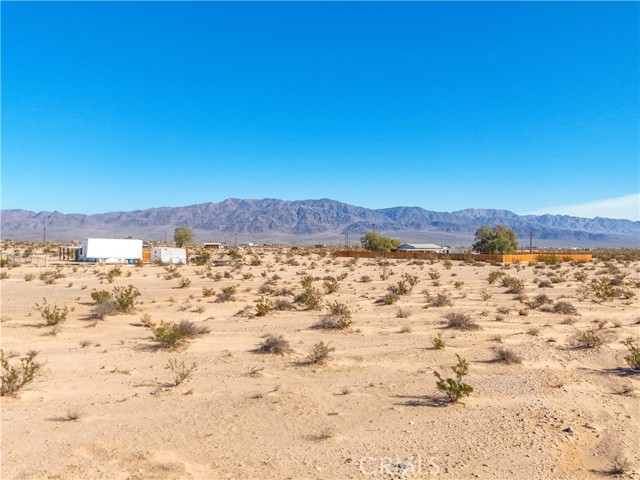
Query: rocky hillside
x=320, y=220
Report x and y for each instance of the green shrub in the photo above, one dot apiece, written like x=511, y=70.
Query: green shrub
x=331, y=286
x=438, y=342
x=52, y=314
x=588, y=339
x=208, y=292
x=633, y=358
x=227, y=294
x=184, y=282
x=455, y=388
x=100, y=296
x=12, y=377
x=311, y=298
x=125, y=298
x=319, y=353
x=172, y=335
x=264, y=306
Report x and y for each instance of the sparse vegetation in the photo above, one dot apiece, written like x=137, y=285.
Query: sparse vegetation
x=319, y=353
x=15, y=377
x=274, y=344
x=455, y=388
x=180, y=371
x=461, y=321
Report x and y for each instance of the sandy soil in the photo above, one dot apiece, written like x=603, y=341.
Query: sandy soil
x=372, y=411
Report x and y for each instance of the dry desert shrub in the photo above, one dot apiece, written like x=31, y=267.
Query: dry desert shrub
x=565, y=308
x=440, y=299
x=461, y=321
x=180, y=371
x=14, y=377
x=403, y=313
x=508, y=356
x=274, y=344
x=319, y=353
x=227, y=294
x=283, y=304
x=264, y=306
x=52, y=315
x=588, y=339
x=633, y=356
x=208, y=292
x=365, y=279
x=104, y=309
x=438, y=342
x=331, y=286
x=125, y=298
x=338, y=319
x=173, y=335
x=311, y=298
x=184, y=282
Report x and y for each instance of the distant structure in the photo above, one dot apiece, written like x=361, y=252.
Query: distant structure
x=110, y=250
x=214, y=246
x=422, y=247
x=168, y=255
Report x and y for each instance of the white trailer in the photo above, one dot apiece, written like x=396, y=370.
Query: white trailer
x=168, y=255
x=110, y=250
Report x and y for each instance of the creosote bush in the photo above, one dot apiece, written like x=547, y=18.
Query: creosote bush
x=319, y=353
x=455, y=388
x=633, y=357
x=125, y=298
x=264, y=306
x=100, y=296
x=172, y=335
x=227, y=294
x=438, y=342
x=311, y=298
x=588, y=339
x=52, y=314
x=14, y=377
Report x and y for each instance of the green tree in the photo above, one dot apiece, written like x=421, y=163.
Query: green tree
x=497, y=240
x=378, y=243
x=183, y=236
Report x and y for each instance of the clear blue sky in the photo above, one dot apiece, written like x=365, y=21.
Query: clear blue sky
x=121, y=106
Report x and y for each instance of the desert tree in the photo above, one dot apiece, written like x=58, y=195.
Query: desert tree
x=183, y=236
x=375, y=242
x=497, y=240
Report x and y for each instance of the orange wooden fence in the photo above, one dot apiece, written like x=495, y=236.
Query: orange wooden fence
x=519, y=257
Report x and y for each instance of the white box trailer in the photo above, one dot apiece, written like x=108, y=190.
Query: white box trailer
x=111, y=250
x=168, y=255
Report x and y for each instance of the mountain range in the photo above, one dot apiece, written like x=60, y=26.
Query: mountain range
x=316, y=221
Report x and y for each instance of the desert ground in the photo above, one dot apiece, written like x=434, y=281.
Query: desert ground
x=553, y=395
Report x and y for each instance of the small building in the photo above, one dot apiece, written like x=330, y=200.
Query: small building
x=422, y=247
x=168, y=255
x=214, y=246
x=110, y=250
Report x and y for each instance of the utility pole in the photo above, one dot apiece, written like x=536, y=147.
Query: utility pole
x=165, y=238
x=235, y=239
x=531, y=242
x=44, y=235
x=373, y=225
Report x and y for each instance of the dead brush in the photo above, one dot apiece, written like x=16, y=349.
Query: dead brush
x=14, y=377
x=275, y=345
x=507, y=356
x=461, y=321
